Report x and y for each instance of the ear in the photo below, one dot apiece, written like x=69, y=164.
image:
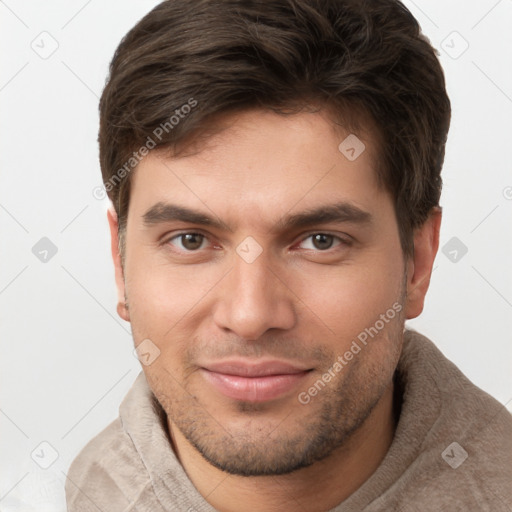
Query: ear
x=419, y=266
x=122, y=309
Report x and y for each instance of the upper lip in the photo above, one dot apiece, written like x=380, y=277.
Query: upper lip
x=254, y=369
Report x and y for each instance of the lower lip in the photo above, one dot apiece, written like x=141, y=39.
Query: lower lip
x=253, y=389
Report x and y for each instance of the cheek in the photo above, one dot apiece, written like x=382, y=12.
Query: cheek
x=164, y=297
x=345, y=300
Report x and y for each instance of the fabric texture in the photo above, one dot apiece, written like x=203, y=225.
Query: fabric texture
x=452, y=451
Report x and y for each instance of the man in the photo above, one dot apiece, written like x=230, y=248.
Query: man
x=274, y=168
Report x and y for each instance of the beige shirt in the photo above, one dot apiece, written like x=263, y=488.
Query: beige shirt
x=452, y=451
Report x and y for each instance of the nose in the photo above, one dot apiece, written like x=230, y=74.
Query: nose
x=253, y=299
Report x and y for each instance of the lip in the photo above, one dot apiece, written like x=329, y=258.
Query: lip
x=253, y=382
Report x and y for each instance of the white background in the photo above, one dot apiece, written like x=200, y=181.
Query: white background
x=67, y=358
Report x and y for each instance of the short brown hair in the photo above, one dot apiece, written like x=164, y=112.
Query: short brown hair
x=221, y=56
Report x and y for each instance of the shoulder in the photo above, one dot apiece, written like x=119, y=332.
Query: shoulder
x=107, y=474
x=466, y=456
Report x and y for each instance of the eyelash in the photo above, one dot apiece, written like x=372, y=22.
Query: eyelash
x=342, y=241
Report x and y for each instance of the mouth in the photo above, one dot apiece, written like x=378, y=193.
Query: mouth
x=254, y=382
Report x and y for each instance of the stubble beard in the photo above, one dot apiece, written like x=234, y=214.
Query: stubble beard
x=261, y=445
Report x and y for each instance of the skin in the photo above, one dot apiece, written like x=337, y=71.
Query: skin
x=298, y=301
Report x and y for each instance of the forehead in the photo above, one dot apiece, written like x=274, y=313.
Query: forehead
x=260, y=163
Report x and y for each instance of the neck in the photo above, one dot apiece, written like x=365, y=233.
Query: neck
x=317, y=488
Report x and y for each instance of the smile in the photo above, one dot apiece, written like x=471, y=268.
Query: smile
x=254, y=382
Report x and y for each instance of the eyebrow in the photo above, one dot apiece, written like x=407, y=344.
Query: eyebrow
x=166, y=212
x=339, y=212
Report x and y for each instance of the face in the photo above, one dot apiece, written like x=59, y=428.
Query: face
x=266, y=269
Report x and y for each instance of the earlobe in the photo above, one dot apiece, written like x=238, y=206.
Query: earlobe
x=426, y=244
x=122, y=308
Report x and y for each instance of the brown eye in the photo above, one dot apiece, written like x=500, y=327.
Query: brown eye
x=322, y=241
x=188, y=241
